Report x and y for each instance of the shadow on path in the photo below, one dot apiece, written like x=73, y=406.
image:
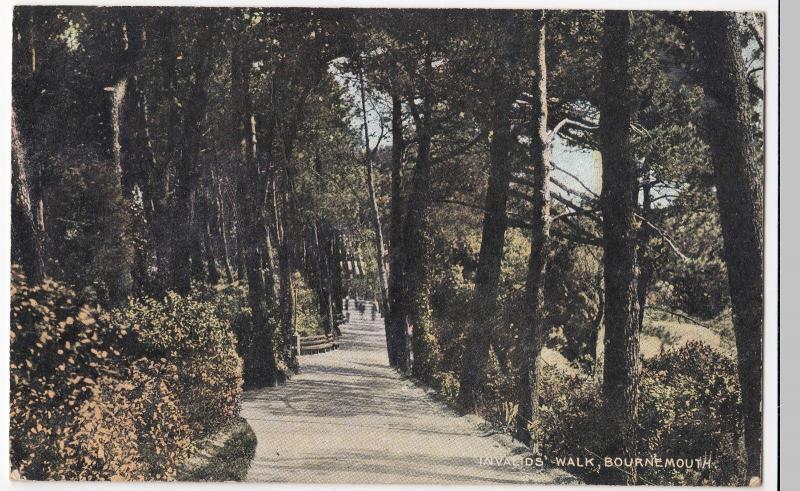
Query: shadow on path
x=349, y=418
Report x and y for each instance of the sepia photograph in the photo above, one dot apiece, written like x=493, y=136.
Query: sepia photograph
x=387, y=246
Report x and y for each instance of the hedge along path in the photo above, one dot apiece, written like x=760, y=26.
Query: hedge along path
x=349, y=418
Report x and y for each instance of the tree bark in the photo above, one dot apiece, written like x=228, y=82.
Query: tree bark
x=534, y=328
x=416, y=281
x=396, y=336
x=26, y=240
x=740, y=195
x=620, y=271
x=261, y=363
x=375, y=216
x=221, y=227
x=208, y=240
x=495, y=222
x=193, y=104
x=644, y=250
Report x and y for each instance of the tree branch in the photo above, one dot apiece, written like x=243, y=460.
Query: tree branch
x=664, y=235
x=570, y=174
x=677, y=314
x=461, y=149
x=564, y=121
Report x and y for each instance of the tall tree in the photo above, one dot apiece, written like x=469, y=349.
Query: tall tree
x=740, y=195
x=618, y=204
x=490, y=256
x=25, y=236
x=534, y=328
x=375, y=217
x=193, y=101
x=396, y=335
x=504, y=49
x=416, y=285
x=260, y=362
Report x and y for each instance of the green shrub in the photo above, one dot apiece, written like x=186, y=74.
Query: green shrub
x=308, y=320
x=81, y=406
x=450, y=303
x=230, y=303
x=188, y=332
x=698, y=285
x=688, y=407
x=572, y=294
x=570, y=416
x=92, y=220
x=447, y=384
x=109, y=426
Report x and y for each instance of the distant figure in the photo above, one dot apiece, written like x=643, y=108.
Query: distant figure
x=362, y=308
x=374, y=310
x=346, y=303
x=347, y=316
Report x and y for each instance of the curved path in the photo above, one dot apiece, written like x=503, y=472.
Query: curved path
x=349, y=418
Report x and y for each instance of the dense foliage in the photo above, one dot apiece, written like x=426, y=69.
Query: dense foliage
x=689, y=408
x=187, y=333
x=106, y=395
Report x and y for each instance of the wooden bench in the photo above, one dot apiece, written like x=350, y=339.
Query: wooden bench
x=308, y=345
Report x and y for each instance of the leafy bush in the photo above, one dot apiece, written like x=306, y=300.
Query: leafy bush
x=688, y=407
x=82, y=407
x=572, y=303
x=93, y=222
x=109, y=423
x=698, y=285
x=230, y=303
x=187, y=332
x=119, y=395
x=308, y=321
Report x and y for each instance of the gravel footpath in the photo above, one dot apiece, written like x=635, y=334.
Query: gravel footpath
x=349, y=418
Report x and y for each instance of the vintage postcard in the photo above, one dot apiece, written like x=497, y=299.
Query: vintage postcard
x=414, y=246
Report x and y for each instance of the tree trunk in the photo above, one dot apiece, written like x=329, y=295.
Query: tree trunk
x=597, y=324
x=193, y=104
x=644, y=251
x=337, y=289
x=740, y=195
x=26, y=88
x=289, y=252
x=161, y=184
x=320, y=276
x=197, y=226
x=396, y=336
x=260, y=364
x=375, y=216
x=484, y=303
x=416, y=281
x=618, y=204
x=125, y=160
x=208, y=243
x=286, y=250
x=534, y=328
x=221, y=228
x=26, y=240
